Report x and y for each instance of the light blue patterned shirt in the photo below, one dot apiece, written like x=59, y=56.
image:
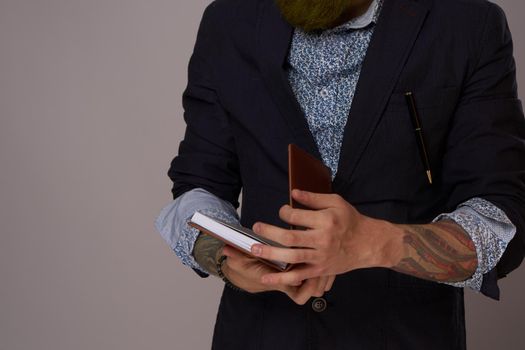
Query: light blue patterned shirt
x=323, y=70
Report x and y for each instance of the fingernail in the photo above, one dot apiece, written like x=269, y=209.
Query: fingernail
x=255, y=227
x=256, y=250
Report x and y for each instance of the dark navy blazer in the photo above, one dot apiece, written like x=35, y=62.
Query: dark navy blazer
x=456, y=57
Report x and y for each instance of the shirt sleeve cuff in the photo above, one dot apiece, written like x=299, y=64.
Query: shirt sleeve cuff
x=172, y=222
x=189, y=238
x=491, y=231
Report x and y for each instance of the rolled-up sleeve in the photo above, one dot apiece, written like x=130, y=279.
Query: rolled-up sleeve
x=491, y=231
x=172, y=221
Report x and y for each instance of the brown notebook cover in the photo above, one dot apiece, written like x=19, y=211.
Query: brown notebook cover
x=306, y=172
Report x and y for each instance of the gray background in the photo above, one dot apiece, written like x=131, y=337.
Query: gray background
x=91, y=116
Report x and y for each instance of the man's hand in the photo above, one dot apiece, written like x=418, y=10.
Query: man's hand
x=245, y=272
x=339, y=239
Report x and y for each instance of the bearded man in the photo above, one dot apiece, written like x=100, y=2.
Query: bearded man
x=415, y=217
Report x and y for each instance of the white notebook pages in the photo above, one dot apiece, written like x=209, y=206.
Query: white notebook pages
x=239, y=236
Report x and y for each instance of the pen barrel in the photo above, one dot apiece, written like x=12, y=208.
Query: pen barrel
x=418, y=129
x=422, y=148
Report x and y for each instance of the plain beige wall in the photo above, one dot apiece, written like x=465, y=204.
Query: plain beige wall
x=90, y=117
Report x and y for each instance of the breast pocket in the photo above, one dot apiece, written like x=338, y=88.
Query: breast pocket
x=443, y=99
x=394, y=150
x=435, y=108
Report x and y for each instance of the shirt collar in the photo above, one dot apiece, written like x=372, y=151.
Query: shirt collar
x=370, y=16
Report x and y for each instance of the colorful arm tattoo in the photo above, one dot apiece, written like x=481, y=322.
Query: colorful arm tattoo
x=207, y=251
x=441, y=252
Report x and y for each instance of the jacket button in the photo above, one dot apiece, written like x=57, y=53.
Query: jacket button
x=319, y=304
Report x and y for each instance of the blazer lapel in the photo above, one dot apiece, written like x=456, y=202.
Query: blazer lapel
x=274, y=37
x=397, y=28
x=396, y=31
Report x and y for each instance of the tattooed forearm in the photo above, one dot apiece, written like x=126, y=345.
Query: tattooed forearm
x=441, y=251
x=207, y=250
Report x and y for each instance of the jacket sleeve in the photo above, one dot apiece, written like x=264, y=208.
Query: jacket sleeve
x=485, y=154
x=207, y=156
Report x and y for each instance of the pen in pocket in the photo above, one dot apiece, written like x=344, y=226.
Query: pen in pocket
x=411, y=102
